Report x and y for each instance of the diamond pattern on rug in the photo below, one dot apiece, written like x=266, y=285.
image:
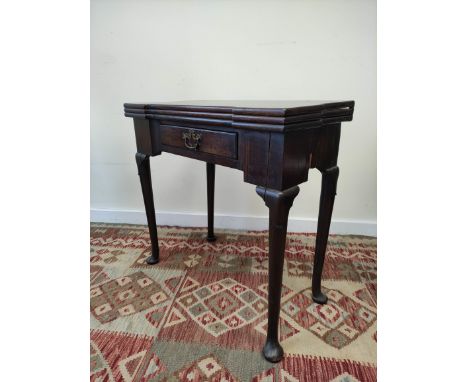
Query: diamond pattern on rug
x=222, y=306
x=337, y=323
x=125, y=296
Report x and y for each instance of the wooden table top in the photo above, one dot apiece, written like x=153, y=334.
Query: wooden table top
x=246, y=114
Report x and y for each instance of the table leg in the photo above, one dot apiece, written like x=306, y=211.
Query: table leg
x=279, y=203
x=210, y=187
x=327, y=199
x=143, y=163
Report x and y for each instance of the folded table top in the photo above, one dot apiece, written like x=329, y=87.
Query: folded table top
x=253, y=115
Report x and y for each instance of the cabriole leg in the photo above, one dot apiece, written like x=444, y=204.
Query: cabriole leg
x=279, y=203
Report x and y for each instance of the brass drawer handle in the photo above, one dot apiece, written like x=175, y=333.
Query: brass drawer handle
x=192, y=139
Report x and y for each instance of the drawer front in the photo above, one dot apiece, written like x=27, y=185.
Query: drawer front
x=206, y=141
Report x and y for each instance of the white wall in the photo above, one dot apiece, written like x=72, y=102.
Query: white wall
x=159, y=51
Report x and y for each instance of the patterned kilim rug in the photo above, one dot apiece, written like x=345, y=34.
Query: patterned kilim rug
x=201, y=313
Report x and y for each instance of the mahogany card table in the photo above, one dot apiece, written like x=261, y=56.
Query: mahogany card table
x=274, y=143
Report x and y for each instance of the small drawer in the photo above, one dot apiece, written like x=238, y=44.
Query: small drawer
x=206, y=141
